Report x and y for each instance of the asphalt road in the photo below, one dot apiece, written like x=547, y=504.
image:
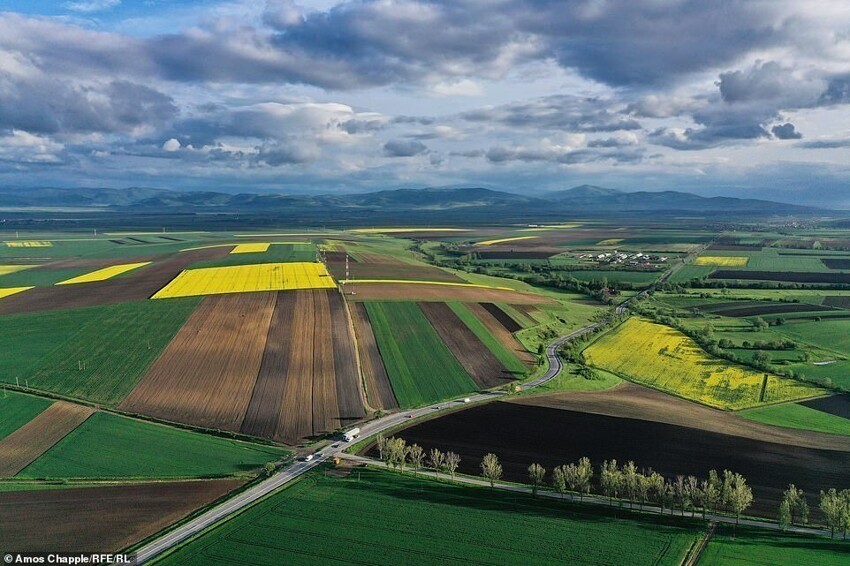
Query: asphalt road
x=189, y=529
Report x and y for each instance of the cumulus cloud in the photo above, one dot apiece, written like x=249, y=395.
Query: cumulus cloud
x=786, y=131
x=404, y=148
x=561, y=112
x=171, y=145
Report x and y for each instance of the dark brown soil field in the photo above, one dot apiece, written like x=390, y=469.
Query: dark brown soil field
x=838, y=405
x=635, y=402
x=842, y=302
x=325, y=406
x=264, y=408
x=25, y=445
x=478, y=361
x=295, y=419
x=348, y=389
x=504, y=318
x=378, y=387
x=99, y=519
x=138, y=285
x=206, y=374
x=501, y=334
x=390, y=270
x=521, y=434
x=425, y=292
x=530, y=311
x=836, y=263
x=769, y=309
x=787, y=276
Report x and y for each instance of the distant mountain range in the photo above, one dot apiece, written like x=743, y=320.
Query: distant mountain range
x=448, y=204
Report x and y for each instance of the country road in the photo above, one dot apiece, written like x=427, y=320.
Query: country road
x=196, y=525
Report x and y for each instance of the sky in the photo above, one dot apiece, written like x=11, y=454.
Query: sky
x=746, y=98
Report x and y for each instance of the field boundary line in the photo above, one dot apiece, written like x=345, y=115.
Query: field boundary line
x=693, y=558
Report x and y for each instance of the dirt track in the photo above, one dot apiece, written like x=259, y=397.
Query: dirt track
x=25, y=445
x=635, y=402
x=136, y=286
x=99, y=519
x=378, y=385
x=425, y=292
x=206, y=374
x=478, y=361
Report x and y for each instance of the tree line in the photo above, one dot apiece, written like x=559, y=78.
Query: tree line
x=726, y=492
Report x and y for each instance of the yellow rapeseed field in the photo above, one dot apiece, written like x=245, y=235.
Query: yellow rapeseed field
x=610, y=242
x=722, y=261
x=29, y=244
x=664, y=358
x=248, y=278
x=11, y=291
x=6, y=269
x=505, y=240
x=250, y=248
x=104, y=274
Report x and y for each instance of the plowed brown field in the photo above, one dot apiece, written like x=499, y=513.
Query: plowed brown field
x=378, y=387
x=22, y=447
x=501, y=333
x=442, y=293
x=478, y=361
x=504, y=318
x=103, y=519
x=136, y=286
x=206, y=374
x=348, y=389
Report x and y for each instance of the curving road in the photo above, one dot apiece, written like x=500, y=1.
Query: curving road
x=237, y=503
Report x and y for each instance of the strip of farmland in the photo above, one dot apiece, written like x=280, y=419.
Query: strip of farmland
x=421, y=367
x=504, y=318
x=30, y=441
x=501, y=333
x=478, y=361
x=378, y=387
x=139, y=285
x=325, y=408
x=99, y=518
x=206, y=375
x=264, y=409
x=764, y=309
x=836, y=263
x=349, y=397
x=442, y=293
x=784, y=276
x=19, y=409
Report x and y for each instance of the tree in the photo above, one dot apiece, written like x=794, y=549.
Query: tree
x=451, y=462
x=710, y=495
x=491, y=468
x=416, y=455
x=694, y=493
x=644, y=485
x=630, y=481
x=784, y=514
x=832, y=506
x=559, y=480
x=382, y=449
x=658, y=487
x=845, y=511
x=536, y=473
x=726, y=488
x=681, y=492
x=435, y=460
x=269, y=469
x=397, y=448
x=609, y=479
x=740, y=498
x=585, y=477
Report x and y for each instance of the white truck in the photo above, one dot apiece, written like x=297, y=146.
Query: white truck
x=351, y=434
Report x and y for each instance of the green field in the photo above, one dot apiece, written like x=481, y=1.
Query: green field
x=508, y=359
x=277, y=253
x=421, y=368
x=39, y=277
x=17, y=409
x=759, y=547
x=111, y=446
x=116, y=344
x=378, y=517
x=791, y=415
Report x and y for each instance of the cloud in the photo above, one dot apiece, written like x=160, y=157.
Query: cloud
x=171, y=145
x=786, y=131
x=88, y=6
x=404, y=148
x=560, y=112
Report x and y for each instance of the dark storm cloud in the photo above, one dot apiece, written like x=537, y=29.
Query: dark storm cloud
x=786, y=132
x=404, y=148
x=556, y=113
